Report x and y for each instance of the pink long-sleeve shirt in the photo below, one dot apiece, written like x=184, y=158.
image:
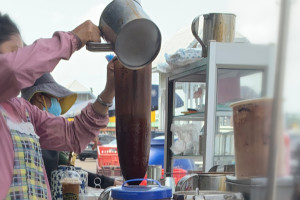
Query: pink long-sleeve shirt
x=19, y=70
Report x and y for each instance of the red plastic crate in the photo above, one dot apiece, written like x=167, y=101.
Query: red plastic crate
x=110, y=171
x=107, y=156
x=178, y=173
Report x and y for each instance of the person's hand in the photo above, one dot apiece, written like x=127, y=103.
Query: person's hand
x=87, y=31
x=110, y=78
x=108, y=93
x=116, y=183
x=95, y=140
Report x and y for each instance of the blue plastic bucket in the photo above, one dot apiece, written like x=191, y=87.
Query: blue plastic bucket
x=157, y=155
x=136, y=192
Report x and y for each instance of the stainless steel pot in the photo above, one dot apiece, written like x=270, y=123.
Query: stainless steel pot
x=154, y=172
x=216, y=26
x=203, y=181
x=130, y=33
x=256, y=188
x=210, y=195
x=212, y=182
x=106, y=194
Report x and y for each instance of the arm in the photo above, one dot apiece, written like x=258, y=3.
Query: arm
x=105, y=180
x=57, y=133
x=96, y=141
x=109, y=91
x=20, y=69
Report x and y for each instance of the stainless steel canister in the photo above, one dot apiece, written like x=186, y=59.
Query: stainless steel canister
x=154, y=172
x=209, y=181
x=170, y=182
x=203, y=181
x=216, y=26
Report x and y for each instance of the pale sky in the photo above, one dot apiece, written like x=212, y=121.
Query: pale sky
x=255, y=19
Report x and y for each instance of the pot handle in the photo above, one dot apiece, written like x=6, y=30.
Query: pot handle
x=141, y=179
x=98, y=46
x=195, y=28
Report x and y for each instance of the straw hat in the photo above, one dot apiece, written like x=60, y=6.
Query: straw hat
x=47, y=84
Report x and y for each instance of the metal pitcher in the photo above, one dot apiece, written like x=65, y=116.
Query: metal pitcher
x=130, y=33
x=216, y=26
x=154, y=172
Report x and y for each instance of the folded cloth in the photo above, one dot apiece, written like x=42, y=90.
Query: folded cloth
x=184, y=56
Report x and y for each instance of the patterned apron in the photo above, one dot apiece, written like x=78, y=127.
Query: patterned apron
x=28, y=177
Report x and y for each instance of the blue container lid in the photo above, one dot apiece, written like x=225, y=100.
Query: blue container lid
x=160, y=140
x=141, y=192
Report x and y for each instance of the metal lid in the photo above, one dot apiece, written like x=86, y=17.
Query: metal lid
x=141, y=192
x=212, y=194
x=65, y=167
x=250, y=101
x=259, y=181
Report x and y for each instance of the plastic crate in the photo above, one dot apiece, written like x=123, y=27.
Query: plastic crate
x=107, y=156
x=177, y=174
x=110, y=171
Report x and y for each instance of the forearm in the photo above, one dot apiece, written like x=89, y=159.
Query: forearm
x=20, y=69
x=107, y=98
x=57, y=133
x=105, y=180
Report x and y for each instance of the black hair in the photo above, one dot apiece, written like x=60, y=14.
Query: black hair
x=7, y=28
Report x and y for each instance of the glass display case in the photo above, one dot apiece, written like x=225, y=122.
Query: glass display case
x=190, y=86
x=232, y=85
x=231, y=72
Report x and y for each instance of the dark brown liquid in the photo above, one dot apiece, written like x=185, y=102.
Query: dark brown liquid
x=133, y=146
x=70, y=191
x=133, y=119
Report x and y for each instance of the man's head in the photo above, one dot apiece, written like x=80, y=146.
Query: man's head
x=10, y=38
x=48, y=95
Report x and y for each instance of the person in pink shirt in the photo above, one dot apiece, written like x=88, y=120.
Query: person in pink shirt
x=24, y=127
x=47, y=94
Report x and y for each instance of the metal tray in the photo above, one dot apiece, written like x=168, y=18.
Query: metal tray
x=212, y=195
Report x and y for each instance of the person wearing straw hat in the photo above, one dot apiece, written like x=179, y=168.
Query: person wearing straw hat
x=48, y=95
x=24, y=128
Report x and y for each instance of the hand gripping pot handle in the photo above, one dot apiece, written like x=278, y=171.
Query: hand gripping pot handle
x=95, y=47
x=98, y=46
x=141, y=179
